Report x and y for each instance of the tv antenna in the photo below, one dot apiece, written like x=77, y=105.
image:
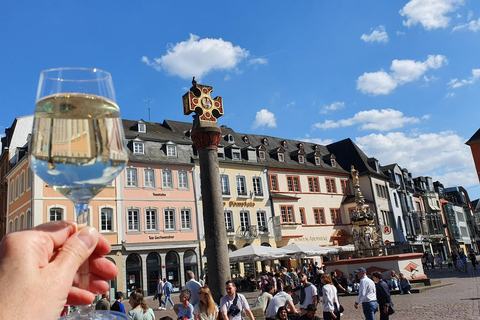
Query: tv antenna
x=149, y=102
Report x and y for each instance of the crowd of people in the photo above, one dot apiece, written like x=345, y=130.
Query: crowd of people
x=455, y=261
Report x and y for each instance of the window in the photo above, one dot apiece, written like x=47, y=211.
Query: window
x=171, y=150
x=56, y=214
x=235, y=154
x=221, y=152
x=22, y=222
x=301, y=159
x=303, y=219
x=12, y=190
x=287, y=214
x=293, y=183
x=138, y=148
x=151, y=220
x=229, y=221
x=281, y=157
x=106, y=215
x=224, y=184
x=262, y=221
x=186, y=219
x=273, y=182
x=257, y=186
x=336, y=218
x=131, y=177
x=29, y=178
x=29, y=219
x=22, y=183
x=318, y=215
x=133, y=216
x=169, y=219
x=182, y=179
x=241, y=186
x=345, y=186
x=331, y=188
x=149, y=178
x=142, y=127
x=167, y=182
x=313, y=184
x=16, y=224
x=16, y=188
x=244, y=220
x=317, y=161
x=396, y=199
x=261, y=155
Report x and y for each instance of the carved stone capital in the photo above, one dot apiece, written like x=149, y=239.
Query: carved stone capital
x=206, y=138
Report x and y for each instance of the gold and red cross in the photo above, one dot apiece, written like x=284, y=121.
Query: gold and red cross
x=198, y=100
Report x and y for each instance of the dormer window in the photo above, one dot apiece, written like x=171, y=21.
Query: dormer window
x=171, y=150
x=142, y=127
x=235, y=154
x=265, y=141
x=317, y=148
x=245, y=139
x=317, y=161
x=333, y=161
x=281, y=157
x=230, y=139
x=284, y=143
x=261, y=155
x=138, y=147
x=221, y=152
x=301, y=159
x=300, y=145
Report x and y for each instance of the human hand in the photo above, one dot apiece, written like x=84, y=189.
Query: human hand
x=334, y=316
x=38, y=269
x=356, y=305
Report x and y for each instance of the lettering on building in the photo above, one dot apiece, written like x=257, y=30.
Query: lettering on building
x=159, y=237
x=313, y=239
x=160, y=194
x=240, y=204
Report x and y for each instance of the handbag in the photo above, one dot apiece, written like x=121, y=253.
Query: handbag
x=390, y=309
x=155, y=297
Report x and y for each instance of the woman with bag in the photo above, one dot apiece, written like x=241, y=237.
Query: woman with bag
x=330, y=304
x=383, y=296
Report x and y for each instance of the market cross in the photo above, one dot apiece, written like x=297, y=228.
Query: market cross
x=198, y=100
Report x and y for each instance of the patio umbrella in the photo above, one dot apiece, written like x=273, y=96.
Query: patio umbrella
x=305, y=250
x=257, y=253
x=345, y=248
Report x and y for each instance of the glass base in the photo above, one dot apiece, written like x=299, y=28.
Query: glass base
x=97, y=315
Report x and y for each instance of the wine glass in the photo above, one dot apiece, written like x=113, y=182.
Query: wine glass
x=77, y=143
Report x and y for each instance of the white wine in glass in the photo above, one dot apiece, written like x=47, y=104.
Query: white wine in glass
x=77, y=144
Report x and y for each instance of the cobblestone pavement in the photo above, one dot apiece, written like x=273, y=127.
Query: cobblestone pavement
x=457, y=301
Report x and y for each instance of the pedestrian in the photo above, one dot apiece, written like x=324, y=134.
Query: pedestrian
x=159, y=294
x=463, y=257
x=473, y=259
x=337, y=283
x=450, y=264
x=118, y=305
x=139, y=311
x=393, y=280
x=454, y=260
x=405, y=285
x=383, y=295
x=232, y=304
x=294, y=276
x=192, y=285
x=424, y=262
x=281, y=299
x=438, y=260
x=431, y=259
x=311, y=313
x=103, y=303
x=307, y=293
x=330, y=303
x=184, y=309
x=367, y=295
x=167, y=292
x=206, y=309
x=264, y=298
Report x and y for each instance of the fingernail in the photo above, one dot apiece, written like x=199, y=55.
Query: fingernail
x=88, y=236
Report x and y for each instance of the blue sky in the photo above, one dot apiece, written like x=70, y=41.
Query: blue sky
x=400, y=78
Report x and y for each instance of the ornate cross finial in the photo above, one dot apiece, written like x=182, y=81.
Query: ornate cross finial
x=198, y=100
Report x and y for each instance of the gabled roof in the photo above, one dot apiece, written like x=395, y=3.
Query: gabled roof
x=474, y=138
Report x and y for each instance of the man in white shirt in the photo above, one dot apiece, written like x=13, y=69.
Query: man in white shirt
x=233, y=304
x=194, y=286
x=307, y=293
x=367, y=294
x=281, y=299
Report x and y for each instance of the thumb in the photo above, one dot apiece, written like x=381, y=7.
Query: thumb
x=76, y=250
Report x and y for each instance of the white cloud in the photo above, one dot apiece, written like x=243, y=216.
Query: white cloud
x=455, y=83
x=319, y=141
x=291, y=104
x=403, y=71
x=227, y=77
x=450, y=95
x=378, y=34
x=473, y=25
x=264, y=118
x=381, y=120
x=431, y=14
x=426, y=117
x=198, y=57
x=337, y=105
x=257, y=61
x=442, y=156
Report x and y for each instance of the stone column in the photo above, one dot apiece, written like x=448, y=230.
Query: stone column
x=206, y=136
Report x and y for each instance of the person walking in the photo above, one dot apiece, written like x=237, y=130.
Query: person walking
x=167, y=292
x=160, y=294
x=330, y=304
x=194, y=286
x=307, y=293
x=438, y=260
x=383, y=295
x=405, y=285
x=206, y=309
x=473, y=259
x=118, y=305
x=367, y=295
x=233, y=304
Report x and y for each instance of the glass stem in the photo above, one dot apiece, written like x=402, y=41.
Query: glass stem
x=81, y=210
